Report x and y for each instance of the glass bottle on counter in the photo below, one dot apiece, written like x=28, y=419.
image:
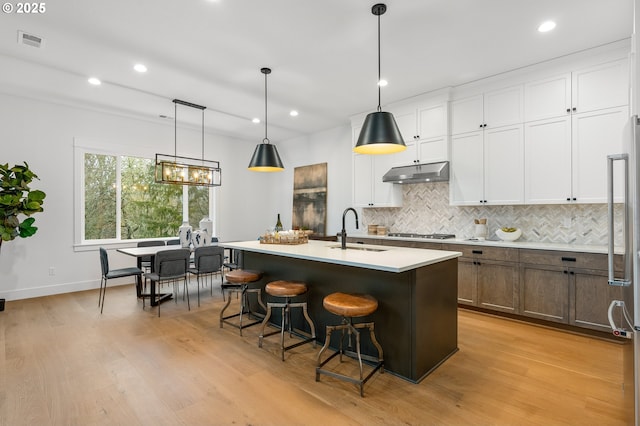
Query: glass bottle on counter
x=278, y=227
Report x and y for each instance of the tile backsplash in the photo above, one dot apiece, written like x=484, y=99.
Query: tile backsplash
x=426, y=210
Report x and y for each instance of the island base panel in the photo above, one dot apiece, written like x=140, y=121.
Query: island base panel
x=416, y=320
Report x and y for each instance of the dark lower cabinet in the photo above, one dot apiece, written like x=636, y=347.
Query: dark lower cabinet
x=566, y=287
x=487, y=277
x=591, y=295
x=545, y=293
x=555, y=286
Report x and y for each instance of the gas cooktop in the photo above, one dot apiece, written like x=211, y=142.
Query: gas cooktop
x=427, y=236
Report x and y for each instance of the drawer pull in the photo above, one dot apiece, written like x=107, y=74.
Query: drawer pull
x=568, y=259
x=476, y=251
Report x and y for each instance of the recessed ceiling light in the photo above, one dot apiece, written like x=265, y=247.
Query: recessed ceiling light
x=546, y=26
x=95, y=81
x=140, y=68
x=382, y=82
x=293, y=113
x=255, y=121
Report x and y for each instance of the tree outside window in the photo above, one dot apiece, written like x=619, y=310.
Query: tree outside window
x=147, y=209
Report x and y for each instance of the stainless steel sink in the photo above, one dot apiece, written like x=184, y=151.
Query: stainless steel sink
x=358, y=248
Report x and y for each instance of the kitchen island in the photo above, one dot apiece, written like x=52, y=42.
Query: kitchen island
x=416, y=321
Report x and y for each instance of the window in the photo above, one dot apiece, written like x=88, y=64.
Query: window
x=123, y=202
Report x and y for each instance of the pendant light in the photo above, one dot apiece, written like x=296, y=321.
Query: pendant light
x=265, y=157
x=380, y=133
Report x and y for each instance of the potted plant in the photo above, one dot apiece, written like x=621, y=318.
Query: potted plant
x=17, y=200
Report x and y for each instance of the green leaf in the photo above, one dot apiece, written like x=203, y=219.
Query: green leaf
x=36, y=195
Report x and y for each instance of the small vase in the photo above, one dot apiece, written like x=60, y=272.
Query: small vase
x=200, y=238
x=481, y=231
x=206, y=224
x=184, y=233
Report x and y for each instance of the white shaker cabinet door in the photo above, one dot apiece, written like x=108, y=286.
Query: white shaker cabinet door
x=362, y=180
x=595, y=135
x=467, y=115
x=504, y=165
x=548, y=98
x=504, y=107
x=467, y=180
x=601, y=86
x=548, y=161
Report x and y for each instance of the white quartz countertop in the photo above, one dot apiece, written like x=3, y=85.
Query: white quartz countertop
x=581, y=248
x=381, y=258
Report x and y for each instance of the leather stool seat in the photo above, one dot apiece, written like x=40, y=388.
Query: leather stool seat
x=350, y=305
x=287, y=290
x=242, y=276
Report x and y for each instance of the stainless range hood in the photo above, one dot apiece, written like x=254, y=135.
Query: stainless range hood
x=419, y=173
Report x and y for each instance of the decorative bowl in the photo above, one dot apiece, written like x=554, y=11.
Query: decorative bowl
x=508, y=236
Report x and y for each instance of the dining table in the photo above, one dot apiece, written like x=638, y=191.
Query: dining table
x=139, y=253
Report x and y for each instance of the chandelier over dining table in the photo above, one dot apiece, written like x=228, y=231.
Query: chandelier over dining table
x=174, y=169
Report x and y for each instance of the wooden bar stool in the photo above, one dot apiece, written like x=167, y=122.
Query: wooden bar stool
x=237, y=281
x=287, y=290
x=350, y=306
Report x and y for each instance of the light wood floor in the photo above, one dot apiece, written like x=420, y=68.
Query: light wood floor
x=62, y=363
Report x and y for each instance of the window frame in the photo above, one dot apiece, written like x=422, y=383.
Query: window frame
x=82, y=147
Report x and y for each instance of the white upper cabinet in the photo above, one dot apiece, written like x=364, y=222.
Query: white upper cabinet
x=492, y=109
x=547, y=98
x=566, y=156
x=424, y=128
x=488, y=167
x=548, y=161
x=589, y=89
x=601, y=86
x=595, y=135
x=487, y=148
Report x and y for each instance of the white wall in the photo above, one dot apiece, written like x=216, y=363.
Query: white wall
x=43, y=134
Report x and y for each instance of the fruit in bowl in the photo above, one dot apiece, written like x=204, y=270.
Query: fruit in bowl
x=508, y=234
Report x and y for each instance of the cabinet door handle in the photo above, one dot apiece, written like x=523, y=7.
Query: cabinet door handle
x=568, y=109
x=573, y=109
x=476, y=251
x=571, y=273
x=568, y=198
x=568, y=259
x=574, y=199
x=565, y=272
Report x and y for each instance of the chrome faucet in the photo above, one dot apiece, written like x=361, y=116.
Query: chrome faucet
x=343, y=234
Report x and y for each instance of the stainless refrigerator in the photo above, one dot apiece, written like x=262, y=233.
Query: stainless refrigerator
x=624, y=313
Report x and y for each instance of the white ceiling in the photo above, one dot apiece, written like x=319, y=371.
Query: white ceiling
x=323, y=54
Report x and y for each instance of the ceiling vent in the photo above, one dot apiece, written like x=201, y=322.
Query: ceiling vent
x=30, y=39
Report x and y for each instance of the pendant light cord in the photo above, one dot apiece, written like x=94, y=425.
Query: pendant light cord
x=175, y=131
x=203, y=136
x=379, y=74
x=265, y=109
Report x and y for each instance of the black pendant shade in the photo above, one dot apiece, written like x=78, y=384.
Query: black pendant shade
x=265, y=159
x=380, y=135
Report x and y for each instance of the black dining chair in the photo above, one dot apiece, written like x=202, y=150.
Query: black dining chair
x=170, y=266
x=144, y=262
x=207, y=261
x=108, y=274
